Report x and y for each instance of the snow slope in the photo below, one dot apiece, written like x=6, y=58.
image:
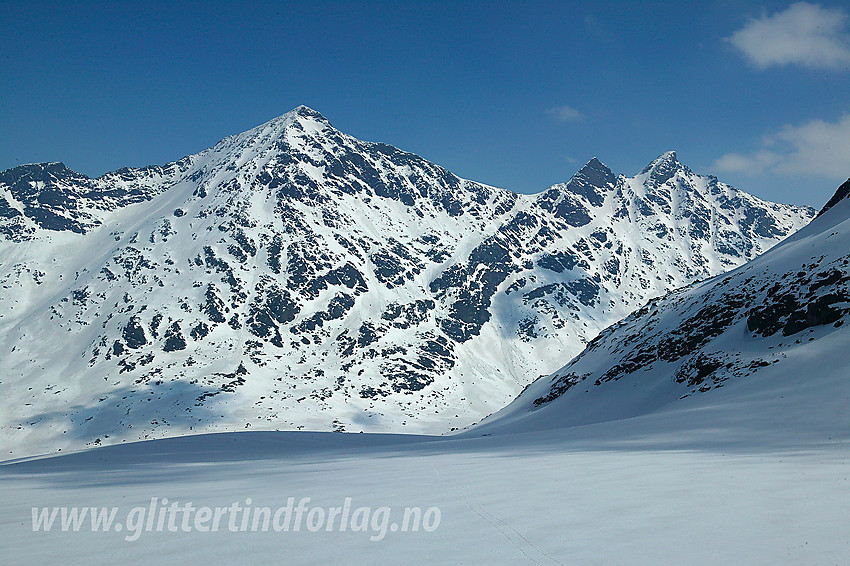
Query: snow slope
x=765, y=346
x=294, y=277
x=751, y=470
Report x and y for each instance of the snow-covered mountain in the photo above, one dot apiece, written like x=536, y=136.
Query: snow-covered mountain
x=295, y=277
x=764, y=346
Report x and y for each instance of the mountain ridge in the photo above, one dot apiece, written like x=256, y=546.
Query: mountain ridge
x=293, y=277
x=769, y=335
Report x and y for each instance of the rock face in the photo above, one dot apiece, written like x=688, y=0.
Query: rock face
x=842, y=193
x=295, y=277
x=779, y=322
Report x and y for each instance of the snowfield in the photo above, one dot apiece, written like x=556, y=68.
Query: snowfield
x=710, y=426
x=726, y=483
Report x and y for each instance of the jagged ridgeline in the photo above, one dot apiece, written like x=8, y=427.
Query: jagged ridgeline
x=295, y=277
x=771, y=334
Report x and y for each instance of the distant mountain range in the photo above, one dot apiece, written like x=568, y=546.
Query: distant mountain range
x=294, y=277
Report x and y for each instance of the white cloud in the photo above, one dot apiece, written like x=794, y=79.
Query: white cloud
x=565, y=114
x=816, y=148
x=753, y=165
x=804, y=34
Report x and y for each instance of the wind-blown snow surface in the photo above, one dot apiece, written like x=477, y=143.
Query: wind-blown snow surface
x=679, y=488
x=293, y=277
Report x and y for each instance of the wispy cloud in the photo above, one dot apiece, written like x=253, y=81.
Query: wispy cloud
x=804, y=34
x=564, y=114
x=754, y=164
x=816, y=148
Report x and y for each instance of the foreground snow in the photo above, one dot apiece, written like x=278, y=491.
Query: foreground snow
x=721, y=479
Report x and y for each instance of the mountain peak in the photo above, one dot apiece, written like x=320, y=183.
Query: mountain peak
x=595, y=165
x=663, y=167
x=592, y=182
x=300, y=114
x=40, y=172
x=303, y=111
x=666, y=159
x=302, y=119
x=595, y=173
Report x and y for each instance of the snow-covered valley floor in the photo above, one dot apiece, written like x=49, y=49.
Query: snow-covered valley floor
x=721, y=479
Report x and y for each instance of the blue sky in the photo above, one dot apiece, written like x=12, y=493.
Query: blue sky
x=518, y=95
